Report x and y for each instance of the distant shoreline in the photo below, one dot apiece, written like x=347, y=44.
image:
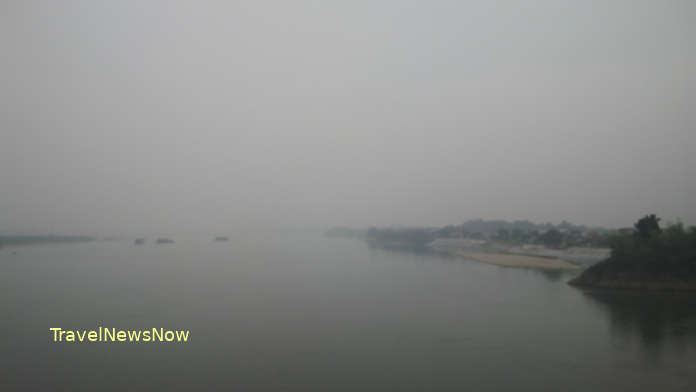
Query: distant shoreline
x=18, y=240
x=518, y=244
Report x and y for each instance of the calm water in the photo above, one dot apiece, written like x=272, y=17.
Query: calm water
x=301, y=312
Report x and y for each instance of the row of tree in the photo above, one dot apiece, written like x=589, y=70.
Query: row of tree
x=655, y=248
x=513, y=233
x=552, y=235
x=646, y=240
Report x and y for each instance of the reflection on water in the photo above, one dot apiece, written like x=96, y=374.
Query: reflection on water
x=655, y=319
x=553, y=275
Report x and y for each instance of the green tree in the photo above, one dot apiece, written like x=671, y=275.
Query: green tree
x=648, y=226
x=552, y=238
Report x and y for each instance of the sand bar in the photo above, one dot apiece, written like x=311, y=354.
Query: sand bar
x=522, y=261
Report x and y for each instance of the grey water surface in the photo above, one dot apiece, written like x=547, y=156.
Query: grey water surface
x=300, y=312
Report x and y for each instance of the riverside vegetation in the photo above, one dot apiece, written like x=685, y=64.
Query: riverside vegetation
x=647, y=257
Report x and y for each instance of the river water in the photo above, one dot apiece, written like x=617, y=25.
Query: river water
x=301, y=312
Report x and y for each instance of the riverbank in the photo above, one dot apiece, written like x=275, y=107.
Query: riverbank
x=519, y=261
x=612, y=275
x=647, y=258
x=520, y=256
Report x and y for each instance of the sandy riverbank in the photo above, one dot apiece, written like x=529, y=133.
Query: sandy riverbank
x=581, y=256
x=510, y=260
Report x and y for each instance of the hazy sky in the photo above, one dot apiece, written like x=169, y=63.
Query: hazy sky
x=135, y=117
